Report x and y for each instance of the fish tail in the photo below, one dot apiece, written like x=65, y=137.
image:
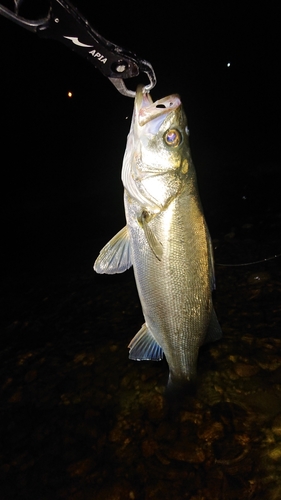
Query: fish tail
x=178, y=388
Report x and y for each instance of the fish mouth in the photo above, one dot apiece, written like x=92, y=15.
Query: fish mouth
x=146, y=110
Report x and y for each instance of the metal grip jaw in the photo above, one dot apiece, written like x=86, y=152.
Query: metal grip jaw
x=64, y=23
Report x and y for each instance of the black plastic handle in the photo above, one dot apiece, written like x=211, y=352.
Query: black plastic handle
x=65, y=24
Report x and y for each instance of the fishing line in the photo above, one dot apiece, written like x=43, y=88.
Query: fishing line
x=250, y=263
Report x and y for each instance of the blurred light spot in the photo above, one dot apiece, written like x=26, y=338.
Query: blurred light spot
x=69, y=94
x=228, y=64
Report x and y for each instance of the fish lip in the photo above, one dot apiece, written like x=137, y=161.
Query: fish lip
x=142, y=99
x=147, y=110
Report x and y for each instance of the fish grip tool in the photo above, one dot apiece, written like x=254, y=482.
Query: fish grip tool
x=63, y=22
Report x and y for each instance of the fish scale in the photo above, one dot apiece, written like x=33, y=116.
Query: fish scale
x=170, y=294
x=166, y=239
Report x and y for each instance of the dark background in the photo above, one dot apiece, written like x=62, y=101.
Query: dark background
x=62, y=158
x=78, y=418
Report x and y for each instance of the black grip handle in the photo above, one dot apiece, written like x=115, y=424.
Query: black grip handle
x=64, y=23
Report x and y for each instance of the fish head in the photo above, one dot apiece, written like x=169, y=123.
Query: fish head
x=157, y=157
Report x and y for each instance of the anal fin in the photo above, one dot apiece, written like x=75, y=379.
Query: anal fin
x=143, y=347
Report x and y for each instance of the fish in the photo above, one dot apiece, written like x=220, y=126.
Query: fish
x=165, y=239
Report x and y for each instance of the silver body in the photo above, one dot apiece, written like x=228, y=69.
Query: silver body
x=166, y=239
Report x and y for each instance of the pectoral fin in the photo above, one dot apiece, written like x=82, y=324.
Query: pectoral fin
x=143, y=347
x=153, y=242
x=115, y=257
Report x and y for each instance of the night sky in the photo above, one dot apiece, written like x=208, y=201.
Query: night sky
x=62, y=157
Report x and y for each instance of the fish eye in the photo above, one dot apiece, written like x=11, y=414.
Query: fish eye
x=172, y=137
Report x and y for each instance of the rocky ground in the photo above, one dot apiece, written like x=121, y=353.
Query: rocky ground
x=80, y=421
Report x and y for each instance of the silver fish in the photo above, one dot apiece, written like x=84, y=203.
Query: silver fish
x=166, y=239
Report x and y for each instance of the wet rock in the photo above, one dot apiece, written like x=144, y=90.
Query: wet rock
x=121, y=490
x=82, y=467
x=158, y=490
x=30, y=376
x=271, y=364
x=166, y=431
x=276, y=425
x=127, y=381
x=228, y=451
x=191, y=416
x=157, y=408
x=149, y=446
x=269, y=439
x=118, y=433
x=211, y=431
x=247, y=225
x=16, y=396
x=245, y=370
x=86, y=358
x=275, y=453
x=113, y=347
x=82, y=421
x=185, y=452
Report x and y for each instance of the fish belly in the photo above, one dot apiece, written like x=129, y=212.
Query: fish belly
x=175, y=292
